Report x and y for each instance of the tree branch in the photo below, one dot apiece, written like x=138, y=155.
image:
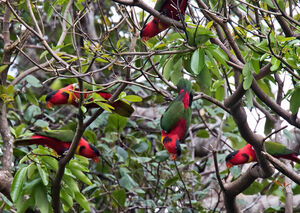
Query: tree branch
x=152, y=11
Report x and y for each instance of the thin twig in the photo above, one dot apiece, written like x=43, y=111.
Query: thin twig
x=187, y=192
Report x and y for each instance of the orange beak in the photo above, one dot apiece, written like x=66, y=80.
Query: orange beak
x=49, y=105
x=173, y=156
x=96, y=159
x=145, y=38
x=229, y=165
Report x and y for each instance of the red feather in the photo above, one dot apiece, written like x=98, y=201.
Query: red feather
x=155, y=26
x=68, y=95
x=247, y=155
x=84, y=148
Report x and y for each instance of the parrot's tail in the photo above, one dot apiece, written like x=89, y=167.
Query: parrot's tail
x=35, y=139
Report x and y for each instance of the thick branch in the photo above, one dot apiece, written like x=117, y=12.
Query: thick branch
x=280, y=166
x=56, y=185
x=272, y=104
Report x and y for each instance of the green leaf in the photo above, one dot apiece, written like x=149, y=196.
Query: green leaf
x=168, y=69
x=141, y=147
x=218, y=54
x=269, y=3
x=249, y=97
x=171, y=181
x=44, y=53
x=115, y=122
x=248, y=77
x=235, y=171
x=275, y=63
x=90, y=136
x=33, y=81
x=162, y=156
x=120, y=196
x=254, y=188
x=127, y=182
x=269, y=125
x=295, y=101
x=31, y=97
x=66, y=198
x=81, y=176
x=198, y=36
x=6, y=200
x=41, y=201
x=202, y=134
x=133, y=98
x=41, y=123
x=3, y=67
x=83, y=202
x=83, y=109
x=31, y=111
x=211, y=63
x=73, y=164
x=48, y=161
x=105, y=106
x=97, y=97
x=123, y=155
x=43, y=174
x=17, y=184
x=197, y=61
x=204, y=77
x=220, y=93
x=177, y=68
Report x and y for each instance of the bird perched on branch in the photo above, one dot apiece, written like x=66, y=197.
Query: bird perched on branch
x=174, y=9
x=176, y=119
x=68, y=95
x=247, y=154
x=60, y=141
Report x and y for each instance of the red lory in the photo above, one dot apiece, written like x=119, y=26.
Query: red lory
x=176, y=119
x=60, y=141
x=247, y=154
x=168, y=8
x=66, y=95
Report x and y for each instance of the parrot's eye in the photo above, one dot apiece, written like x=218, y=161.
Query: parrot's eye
x=65, y=94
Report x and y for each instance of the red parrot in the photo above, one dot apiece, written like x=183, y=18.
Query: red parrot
x=60, y=141
x=247, y=154
x=66, y=95
x=176, y=119
x=168, y=8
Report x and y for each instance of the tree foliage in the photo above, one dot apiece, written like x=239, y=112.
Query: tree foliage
x=242, y=58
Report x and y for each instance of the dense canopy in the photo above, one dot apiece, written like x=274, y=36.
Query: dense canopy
x=241, y=58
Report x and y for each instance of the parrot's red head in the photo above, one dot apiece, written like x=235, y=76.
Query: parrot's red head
x=172, y=145
x=152, y=29
x=242, y=156
x=61, y=96
x=88, y=150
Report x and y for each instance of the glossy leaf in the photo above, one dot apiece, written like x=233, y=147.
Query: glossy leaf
x=83, y=202
x=17, y=184
x=41, y=200
x=120, y=196
x=295, y=101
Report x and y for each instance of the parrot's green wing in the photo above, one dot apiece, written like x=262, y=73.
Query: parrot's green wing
x=62, y=135
x=188, y=117
x=172, y=115
x=274, y=148
x=159, y=4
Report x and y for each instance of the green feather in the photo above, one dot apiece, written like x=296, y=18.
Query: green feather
x=184, y=84
x=62, y=135
x=275, y=148
x=159, y=4
x=172, y=115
